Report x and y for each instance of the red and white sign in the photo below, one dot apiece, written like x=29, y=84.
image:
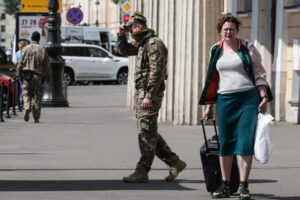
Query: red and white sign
x=74, y=15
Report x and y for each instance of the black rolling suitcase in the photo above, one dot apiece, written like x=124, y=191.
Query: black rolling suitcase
x=210, y=163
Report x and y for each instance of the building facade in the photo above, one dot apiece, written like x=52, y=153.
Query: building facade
x=102, y=13
x=189, y=30
x=7, y=28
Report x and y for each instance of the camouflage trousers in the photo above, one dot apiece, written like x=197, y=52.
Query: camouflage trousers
x=32, y=95
x=151, y=143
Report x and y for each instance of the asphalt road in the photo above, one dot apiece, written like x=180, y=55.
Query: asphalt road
x=83, y=151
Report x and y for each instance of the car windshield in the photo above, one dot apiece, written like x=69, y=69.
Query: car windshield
x=95, y=52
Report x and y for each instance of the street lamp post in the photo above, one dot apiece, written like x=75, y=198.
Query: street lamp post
x=97, y=4
x=53, y=94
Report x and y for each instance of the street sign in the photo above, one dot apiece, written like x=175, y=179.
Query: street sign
x=74, y=15
x=37, y=5
x=126, y=6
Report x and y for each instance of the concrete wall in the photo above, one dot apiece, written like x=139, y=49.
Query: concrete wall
x=293, y=65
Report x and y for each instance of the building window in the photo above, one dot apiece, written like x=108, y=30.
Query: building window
x=2, y=28
x=3, y=16
x=2, y=39
x=222, y=6
x=291, y=3
x=244, y=6
x=226, y=6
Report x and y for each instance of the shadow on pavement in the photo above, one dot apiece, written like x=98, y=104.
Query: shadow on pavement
x=287, y=198
x=110, y=106
x=261, y=181
x=82, y=169
x=86, y=185
x=272, y=197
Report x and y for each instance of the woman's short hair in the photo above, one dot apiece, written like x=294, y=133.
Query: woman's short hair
x=228, y=18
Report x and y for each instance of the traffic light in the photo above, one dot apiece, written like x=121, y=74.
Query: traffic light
x=126, y=18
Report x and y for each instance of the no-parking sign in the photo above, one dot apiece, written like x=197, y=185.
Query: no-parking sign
x=74, y=15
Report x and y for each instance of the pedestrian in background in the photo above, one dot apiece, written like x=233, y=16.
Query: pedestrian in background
x=236, y=82
x=21, y=45
x=150, y=75
x=34, y=68
x=16, y=60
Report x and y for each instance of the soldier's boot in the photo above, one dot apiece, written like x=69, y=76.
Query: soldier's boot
x=26, y=115
x=36, y=121
x=175, y=169
x=138, y=176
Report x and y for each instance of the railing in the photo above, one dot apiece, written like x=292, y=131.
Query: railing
x=10, y=97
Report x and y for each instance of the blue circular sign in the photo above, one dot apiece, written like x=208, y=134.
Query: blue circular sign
x=74, y=15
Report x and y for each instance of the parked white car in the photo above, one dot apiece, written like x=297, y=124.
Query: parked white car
x=84, y=62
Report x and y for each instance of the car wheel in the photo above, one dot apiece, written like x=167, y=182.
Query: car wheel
x=122, y=77
x=68, y=77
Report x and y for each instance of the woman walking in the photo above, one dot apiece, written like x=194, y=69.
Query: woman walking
x=236, y=83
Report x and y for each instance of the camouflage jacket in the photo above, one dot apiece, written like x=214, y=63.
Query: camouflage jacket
x=35, y=58
x=151, y=65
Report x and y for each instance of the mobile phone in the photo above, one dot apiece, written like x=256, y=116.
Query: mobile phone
x=127, y=28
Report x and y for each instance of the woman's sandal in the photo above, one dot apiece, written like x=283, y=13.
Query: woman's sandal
x=244, y=191
x=222, y=192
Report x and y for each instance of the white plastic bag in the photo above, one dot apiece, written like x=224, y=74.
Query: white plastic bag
x=263, y=145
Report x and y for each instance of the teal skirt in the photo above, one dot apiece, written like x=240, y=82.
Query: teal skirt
x=237, y=116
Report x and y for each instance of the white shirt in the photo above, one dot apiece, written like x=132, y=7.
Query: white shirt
x=233, y=76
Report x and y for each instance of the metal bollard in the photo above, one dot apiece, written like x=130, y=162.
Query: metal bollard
x=1, y=102
x=20, y=97
x=14, y=97
x=8, y=99
x=65, y=89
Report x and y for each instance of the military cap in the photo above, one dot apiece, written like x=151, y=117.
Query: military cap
x=136, y=16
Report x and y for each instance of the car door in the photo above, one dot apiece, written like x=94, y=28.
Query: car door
x=76, y=58
x=102, y=66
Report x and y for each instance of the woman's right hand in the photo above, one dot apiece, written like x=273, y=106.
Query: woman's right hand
x=208, y=114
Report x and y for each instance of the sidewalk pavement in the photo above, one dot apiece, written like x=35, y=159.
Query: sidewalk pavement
x=82, y=153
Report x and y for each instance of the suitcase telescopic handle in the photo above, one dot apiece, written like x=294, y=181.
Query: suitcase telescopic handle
x=204, y=133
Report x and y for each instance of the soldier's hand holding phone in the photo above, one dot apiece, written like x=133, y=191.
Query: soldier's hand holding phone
x=123, y=29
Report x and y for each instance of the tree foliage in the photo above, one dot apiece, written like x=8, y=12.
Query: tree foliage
x=11, y=6
x=115, y=1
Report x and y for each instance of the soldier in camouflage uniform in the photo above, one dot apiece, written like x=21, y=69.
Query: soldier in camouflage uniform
x=34, y=61
x=150, y=75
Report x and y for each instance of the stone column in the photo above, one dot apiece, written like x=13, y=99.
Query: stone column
x=279, y=68
x=188, y=37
